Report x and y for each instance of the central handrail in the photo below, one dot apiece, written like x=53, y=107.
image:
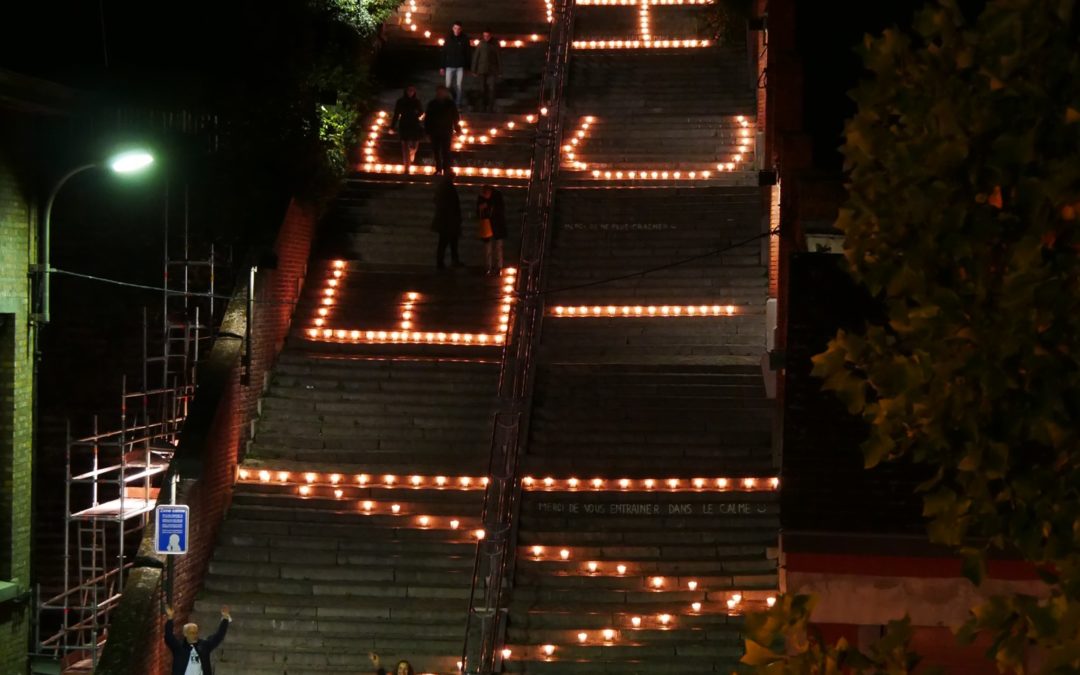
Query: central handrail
x=486, y=622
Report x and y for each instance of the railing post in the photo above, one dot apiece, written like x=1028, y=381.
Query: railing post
x=493, y=565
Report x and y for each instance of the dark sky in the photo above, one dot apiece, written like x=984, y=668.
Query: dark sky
x=158, y=49
x=828, y=35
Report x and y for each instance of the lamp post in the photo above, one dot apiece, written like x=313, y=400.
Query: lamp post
x=132, y=161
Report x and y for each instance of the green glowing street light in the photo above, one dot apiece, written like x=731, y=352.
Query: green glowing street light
x=131, y=161
x=123, y=163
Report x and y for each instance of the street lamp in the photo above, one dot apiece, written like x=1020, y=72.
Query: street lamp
x=123, y=163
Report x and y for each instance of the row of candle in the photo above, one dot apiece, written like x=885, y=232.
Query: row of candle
x=615, y=311
x=409, y=21
x=631, y=3
x=642, y=43
x=428, y=170
x=528, y=482
x=406, y=337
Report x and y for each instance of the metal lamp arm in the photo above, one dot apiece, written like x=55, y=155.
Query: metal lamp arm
x=46, y=266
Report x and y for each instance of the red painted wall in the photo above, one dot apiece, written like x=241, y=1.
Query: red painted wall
x=937, y=646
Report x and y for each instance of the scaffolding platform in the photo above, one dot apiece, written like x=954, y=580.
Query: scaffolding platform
x=117, y=509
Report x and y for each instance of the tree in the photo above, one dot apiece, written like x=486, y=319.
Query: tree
x=290, y=95
x=963, y=165
x=726, y=20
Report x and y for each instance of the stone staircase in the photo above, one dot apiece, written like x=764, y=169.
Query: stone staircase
x=518, y=88
x=700, y=249
x=388, y=225
x=322, y=557
x=324, y=560
x=653, y=583
x=649, y=518
x=675, y=82
x=661, y=421
x=507, y=20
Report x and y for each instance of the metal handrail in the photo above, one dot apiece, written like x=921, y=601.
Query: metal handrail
x=494, y=560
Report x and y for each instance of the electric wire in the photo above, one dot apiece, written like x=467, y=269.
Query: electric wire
x=468, y=300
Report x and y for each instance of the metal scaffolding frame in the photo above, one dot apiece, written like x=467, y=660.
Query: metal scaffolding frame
x=112, y=477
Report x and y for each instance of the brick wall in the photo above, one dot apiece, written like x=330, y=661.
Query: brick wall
x=18, y=241
x=211, y=444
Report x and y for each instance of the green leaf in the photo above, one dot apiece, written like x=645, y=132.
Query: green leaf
x=973, y=565
x=756, y=655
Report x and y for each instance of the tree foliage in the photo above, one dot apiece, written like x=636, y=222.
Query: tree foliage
x=726, y=20
x=291, y=97
x=963, y=166
x=364, y=16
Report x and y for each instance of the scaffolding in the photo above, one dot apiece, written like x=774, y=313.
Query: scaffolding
x=113, y=477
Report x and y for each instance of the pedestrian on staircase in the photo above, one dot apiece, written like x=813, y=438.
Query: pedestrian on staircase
x=447, y=221
x=487, y=65
x=491, y=214
x=408, y=113
x=455, y=60
x=191, y=656
x=442, y=121
x=403, y=667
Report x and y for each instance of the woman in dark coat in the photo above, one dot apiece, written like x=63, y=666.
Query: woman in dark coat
x=406, y=121
x=491, y=213
x=447, y=220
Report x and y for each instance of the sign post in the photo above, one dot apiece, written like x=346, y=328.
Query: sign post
x=171, y=531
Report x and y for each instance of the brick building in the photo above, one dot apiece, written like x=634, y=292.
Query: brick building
x=27, y=108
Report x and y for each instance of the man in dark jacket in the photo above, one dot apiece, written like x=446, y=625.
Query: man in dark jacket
x=447, y=221
x=441, y=122
x=486, y=65
x=191, y=656
x=455, y=61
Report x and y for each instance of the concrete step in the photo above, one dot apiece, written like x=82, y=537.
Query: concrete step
x=390, y=224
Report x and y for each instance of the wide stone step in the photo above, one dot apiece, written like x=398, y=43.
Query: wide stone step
x=258, y=659
x=342, y=542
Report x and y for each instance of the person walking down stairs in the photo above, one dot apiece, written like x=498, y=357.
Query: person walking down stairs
x=487, y=66
x=456, y=50
x=447, y=221
x=406, y=123
x=442, y=121
x=403, y=667
x=491, y=214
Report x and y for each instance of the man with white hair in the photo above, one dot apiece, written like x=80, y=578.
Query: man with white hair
x=191, y=656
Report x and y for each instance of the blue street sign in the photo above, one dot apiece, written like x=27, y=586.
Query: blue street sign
x=171, y=534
